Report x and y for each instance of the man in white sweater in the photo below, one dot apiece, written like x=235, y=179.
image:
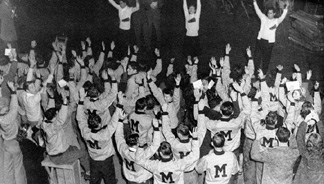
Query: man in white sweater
x=267, y=35
x=191, y=43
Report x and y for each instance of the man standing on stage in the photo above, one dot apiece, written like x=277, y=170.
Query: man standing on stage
x=267, y=35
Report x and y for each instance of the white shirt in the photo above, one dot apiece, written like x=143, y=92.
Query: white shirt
x=125, y=17
x=219, y=167
x=268, y=26
x=192, y=20
x=32, y=106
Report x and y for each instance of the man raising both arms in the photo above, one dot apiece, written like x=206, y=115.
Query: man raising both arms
x=267, y=35
x=124, y=12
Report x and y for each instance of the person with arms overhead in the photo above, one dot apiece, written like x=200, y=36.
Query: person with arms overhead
x=267, y=35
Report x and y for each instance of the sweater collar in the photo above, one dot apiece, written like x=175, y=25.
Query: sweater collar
x=219, y=152
x=166, y=159
x=139, y=112
x=225, y=119
x=184, y=141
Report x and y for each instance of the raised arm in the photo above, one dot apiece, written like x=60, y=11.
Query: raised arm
x=166, y=130
x=114, y=4
x=198, y=11
x=136, y=8
x=185, y=8
x=284, y=14
x=258, y=11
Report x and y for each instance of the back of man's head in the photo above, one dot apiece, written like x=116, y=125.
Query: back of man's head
x=218, y=140
x=271, y=119
x=227, y=108
x=183, y=129
x=50, y=113
x=140, y=104
x=94, y=120
x=283, y=134
x=165, y=149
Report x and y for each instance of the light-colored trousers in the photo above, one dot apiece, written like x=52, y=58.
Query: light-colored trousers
x=12, y=169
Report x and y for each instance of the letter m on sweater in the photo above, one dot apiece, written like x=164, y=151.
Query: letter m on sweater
x=129, y=165
x=219, y=170
x=227, y=134
x=267, y=142
x=167, y=178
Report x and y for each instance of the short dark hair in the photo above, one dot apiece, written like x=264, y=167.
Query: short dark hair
x=283, y=134
x=227, y=108
x=165, y=148
x=132, y=140
x=50, y=113
x=271, y=118
x=218, y=140
x=270, y=8
x=140, y=104
x=168, y=91
x=150, y=102
x=94, y=120
x=237, y=73
x=183, y=129
x=306, y=109
x=26, y=84
x=93, y=92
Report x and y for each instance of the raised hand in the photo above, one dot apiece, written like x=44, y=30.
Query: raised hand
x=83, y=46
x=228, y=48
x=88, y=41
x=82, y=94
x=248, y=52
x=309, y=74
x=103, y=45
x=194, y=132
x=11, y=85
x=279, y=67
x=196, y=60
x=221, y=61
x=189, y=60
x=80, y=61
x=178, y=79
x=297, y=68
x=172, y=60
x=260, y=74
x=112, y=45
x=74, y=54
x=157, y=52
x=136, y=49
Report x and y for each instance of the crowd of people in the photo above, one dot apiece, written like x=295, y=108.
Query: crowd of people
x=92, y=102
